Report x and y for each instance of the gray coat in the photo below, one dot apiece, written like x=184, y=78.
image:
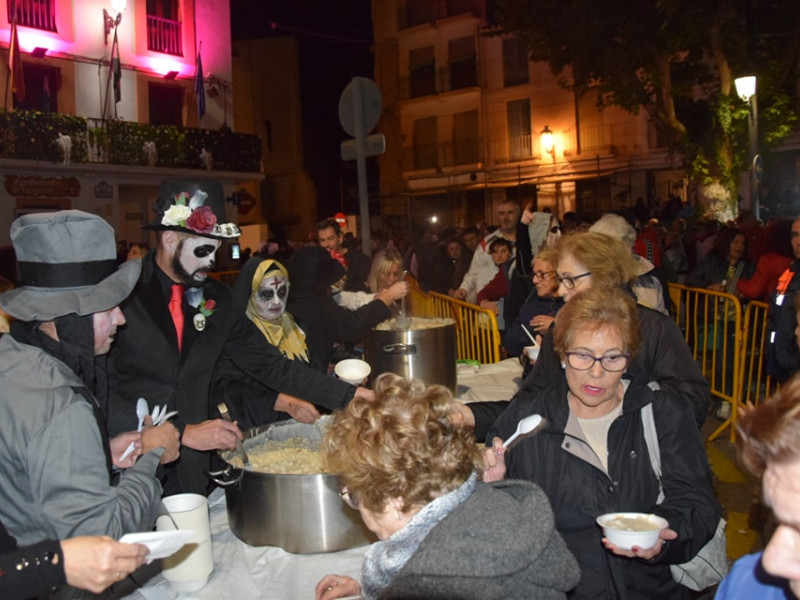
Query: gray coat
x=54, y=481
x=500, y=543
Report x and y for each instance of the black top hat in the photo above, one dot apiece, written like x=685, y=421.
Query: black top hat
x=312, y=270
x=195, y=206
x=68, y=264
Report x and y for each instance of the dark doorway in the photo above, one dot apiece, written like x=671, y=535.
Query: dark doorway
x=166, y=104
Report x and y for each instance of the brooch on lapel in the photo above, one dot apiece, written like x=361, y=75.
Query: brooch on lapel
x=206, y=308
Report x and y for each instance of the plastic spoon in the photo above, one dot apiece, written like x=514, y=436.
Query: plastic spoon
x=402, y=322
x=525, y=426
x=223, y=411
x=528, y=333
x=142, y=411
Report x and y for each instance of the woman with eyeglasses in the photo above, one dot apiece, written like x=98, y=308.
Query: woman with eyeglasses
x=536, y=315
x=591, y=458
x=593, y=260
x=442, y=533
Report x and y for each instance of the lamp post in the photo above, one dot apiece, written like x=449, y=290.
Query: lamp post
x=746, y=89
x=548, y=142
x=111, y=23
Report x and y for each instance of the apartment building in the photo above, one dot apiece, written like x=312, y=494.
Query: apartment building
x=471, y=121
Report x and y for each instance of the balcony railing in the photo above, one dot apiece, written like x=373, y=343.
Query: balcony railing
x=446, y=154
x=33, y=135
x=164, y=35
x=38, y=14
x=419, y=12
x=429, y=82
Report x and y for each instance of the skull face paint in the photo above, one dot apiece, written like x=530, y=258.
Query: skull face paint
x=271, y=296
x=194, y=259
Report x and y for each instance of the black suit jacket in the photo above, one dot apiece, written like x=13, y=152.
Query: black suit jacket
x=144, y=362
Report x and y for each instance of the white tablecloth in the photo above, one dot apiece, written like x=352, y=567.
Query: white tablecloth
x=243, y=572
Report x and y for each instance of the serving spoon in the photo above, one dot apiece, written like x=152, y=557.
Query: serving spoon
x=524, y=427
x=223, y=411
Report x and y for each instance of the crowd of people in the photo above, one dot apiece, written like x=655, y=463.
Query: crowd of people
x=89, y=331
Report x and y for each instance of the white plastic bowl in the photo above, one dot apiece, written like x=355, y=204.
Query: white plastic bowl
x=618, y=528
x=352, y=370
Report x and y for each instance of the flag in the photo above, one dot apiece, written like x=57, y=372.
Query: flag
x=115, y=64
x=15, y=64
x=199, y=87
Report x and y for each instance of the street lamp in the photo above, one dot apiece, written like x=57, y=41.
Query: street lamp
x=117, y=6
x=746, y=89
x=548, y=142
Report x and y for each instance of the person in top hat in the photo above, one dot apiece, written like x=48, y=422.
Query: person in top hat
x=55, y=456
x=179, y=323
x=312, y=272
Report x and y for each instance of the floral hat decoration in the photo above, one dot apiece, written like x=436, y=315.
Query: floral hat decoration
x=195, y=206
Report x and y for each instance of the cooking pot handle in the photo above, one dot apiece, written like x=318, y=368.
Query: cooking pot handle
x=224, y=478
x=400, y=349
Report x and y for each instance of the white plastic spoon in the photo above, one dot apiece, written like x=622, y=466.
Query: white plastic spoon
x=142, y=411
x=528, y=333
x=525, y=426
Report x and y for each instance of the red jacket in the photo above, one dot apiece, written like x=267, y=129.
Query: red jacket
x=764, y=281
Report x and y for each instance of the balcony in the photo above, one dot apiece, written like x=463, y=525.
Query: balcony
x=429, y=82
x=32, y=135
x=164, y=35
x=420, y=12
x=445, y=154
x=38, y=14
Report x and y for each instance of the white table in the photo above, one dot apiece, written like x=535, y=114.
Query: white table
x=243, y=572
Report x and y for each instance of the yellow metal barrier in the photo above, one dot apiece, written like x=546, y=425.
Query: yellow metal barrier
x=418, y=303
x=477, y=336
x=756, y=384
x=712, y=326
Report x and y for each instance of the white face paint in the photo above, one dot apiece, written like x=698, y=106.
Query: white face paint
x=271, y=296
x=194, y=258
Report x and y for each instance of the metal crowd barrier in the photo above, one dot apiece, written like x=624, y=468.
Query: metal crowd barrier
x=477, y=335
x=727, y=345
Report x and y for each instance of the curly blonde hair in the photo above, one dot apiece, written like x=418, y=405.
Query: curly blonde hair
x=399, y=445
x=595, y=308
x=608, y=260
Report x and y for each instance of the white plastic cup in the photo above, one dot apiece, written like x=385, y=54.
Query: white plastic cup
x=532, y=352
x=352, y=370
x=189, y=568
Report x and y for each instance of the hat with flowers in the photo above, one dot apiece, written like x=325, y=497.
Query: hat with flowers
x=195, y=206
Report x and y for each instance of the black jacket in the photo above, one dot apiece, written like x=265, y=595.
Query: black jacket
x=783, y=356
x=566, y=468
x=145, y=362
x=30, y=571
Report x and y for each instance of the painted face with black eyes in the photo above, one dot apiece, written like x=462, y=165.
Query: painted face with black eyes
x=271, y=296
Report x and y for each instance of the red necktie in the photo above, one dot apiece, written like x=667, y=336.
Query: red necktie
x=176, y=310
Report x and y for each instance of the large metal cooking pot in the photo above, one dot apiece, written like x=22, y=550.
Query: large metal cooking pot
x=303, y=514
x=426, y=350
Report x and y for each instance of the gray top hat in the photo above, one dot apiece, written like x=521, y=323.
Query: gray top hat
x=195, y=206
x=67, y=264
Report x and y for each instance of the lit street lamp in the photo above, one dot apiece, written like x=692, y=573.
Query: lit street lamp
x=746, y=89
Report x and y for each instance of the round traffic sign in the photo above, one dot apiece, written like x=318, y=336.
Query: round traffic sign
x=758, y=168
x=360, y=99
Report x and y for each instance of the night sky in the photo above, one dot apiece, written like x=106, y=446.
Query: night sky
x=334, y=39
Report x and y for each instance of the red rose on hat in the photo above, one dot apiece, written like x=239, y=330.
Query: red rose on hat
x=202, y=220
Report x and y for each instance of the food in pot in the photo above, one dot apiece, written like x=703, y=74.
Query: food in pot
x=415, y=323
x=282, y=457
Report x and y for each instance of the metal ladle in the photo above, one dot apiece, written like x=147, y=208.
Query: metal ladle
x=402, y=321
x=223, y=411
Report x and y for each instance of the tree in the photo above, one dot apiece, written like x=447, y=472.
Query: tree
x=674, y=59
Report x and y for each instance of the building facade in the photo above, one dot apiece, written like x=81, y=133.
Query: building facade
x=112, y=105
x=471, y=121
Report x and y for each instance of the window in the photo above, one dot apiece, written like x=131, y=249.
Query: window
x=164, y=29
x=418, y=12
x=38, y=14
x=515, y=62
x=463, y=67
x=422, y=72
x=519, y=129
x=425, y=144
x=166, y=104
x=465, y=137
x=41, y=88
x=459, y=7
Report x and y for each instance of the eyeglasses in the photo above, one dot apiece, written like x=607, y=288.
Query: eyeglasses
x=205, y=250
x=569, y=282
x=542, y=274
x=613, y=363
x=349, y=498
